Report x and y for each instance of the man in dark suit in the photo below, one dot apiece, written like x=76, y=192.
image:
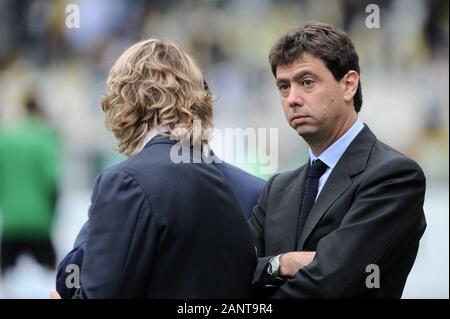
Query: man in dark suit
x=246, y=187
x=348, y=223
x=159, y=228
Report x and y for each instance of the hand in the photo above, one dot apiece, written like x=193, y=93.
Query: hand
x=54, y=295
x=292, y=262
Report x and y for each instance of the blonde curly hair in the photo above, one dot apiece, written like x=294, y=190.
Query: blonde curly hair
x=152, y=84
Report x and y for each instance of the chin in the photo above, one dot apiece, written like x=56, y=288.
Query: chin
x=305, y=131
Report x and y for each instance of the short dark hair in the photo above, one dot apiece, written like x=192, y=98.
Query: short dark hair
x=324, y=41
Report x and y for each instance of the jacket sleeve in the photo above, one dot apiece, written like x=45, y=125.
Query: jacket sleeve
x=120, y=242
x=257, y=224
x=386, y=216
x=75, y=256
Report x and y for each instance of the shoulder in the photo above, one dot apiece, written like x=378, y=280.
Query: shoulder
x=387, y=160
x=281, y=182
x=286, y=178
x=134, y=167
x=389, y=170
x=239, y=175
x=116, y=181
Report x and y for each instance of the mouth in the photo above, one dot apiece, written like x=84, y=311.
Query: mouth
x=299, y=119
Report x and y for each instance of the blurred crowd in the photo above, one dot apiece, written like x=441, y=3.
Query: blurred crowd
x=404, y=67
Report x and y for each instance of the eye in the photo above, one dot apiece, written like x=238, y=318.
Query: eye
x=307, y=82
x=283, y=87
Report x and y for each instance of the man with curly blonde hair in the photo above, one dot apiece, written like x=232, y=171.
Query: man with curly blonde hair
x=155, y=84
x=158, y=229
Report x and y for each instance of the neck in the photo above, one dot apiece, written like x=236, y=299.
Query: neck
x=321, y=145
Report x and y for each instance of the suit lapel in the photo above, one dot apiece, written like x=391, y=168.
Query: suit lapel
x=338, y=182
x=288, y=222
x=353, y=161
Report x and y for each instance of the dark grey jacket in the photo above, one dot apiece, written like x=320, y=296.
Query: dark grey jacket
x=370, y=211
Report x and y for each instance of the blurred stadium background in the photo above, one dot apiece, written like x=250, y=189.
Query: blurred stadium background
x=404, y=76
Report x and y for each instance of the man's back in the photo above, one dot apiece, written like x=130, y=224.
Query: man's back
x=246, y=187
x=165, y=230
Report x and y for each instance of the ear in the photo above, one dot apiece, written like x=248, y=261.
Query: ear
x=350, y=85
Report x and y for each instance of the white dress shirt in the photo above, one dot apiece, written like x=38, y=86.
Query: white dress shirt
x=334, y=152
x=152, y=134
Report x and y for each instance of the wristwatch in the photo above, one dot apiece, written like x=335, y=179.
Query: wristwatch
x=273, y=268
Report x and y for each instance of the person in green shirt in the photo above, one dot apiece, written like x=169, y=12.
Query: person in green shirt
x=29, y=153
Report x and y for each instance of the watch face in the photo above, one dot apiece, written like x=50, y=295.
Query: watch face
x=273, y=266
x=270, y=269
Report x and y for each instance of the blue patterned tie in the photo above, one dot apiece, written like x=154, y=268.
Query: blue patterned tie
x=315, y=171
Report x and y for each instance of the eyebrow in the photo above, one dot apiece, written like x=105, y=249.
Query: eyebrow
x=297, y=76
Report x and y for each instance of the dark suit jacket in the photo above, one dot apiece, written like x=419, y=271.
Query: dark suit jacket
x=246, y=187
x=164, y=230
x=370, y=211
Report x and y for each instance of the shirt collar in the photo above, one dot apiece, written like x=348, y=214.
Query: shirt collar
x=152, y=134
x=334, y=152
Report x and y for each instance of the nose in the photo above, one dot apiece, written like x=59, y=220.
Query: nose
x=295, y=97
